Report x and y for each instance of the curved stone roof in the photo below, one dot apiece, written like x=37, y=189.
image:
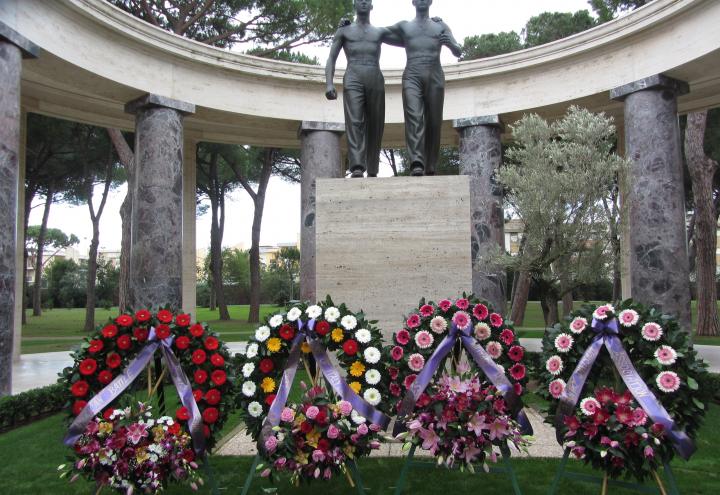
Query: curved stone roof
x=95, y=58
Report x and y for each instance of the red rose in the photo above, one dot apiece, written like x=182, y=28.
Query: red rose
x=107, y=413
x=105, y=377
x=324, y=444
x=199, y=356
x=80, y=388
x=322, y=328
x=182, y=414
x=217, y=360
x=270, y=399
x=182, y=320
x=141, y=334
x=266, y=365
x=197, y=330
x=162, y=331
x=213, y=396
x=218, y=377
x=182, y=342
x=113, y=360
x=164, y=316
x=78, y=406
x=109, y=331
x=124, y=342
x=287, y=332
x=198, y=395
x=124, y=320
x=210, y=415
x=175, y=429
x=211, y=343
x=200, y=376
x=88, y=366
x=142, y=316
x=306, y=427
x=95, y=346
x=350, y=347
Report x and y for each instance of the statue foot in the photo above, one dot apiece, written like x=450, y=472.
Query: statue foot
x=417, y=170
x=357, y=173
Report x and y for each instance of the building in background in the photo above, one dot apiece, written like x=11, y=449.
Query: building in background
x=514, y=229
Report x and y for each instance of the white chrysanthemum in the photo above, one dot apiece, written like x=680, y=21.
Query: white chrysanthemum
x=332, y=314
x=372, y=376
x=372, y=396
x=262, y=334
x=248, y=369
x=252, y=350
x=349, y=322
x=313, y=311
x=276, y=321
x=666, y=355
x=357, y=418
x=372, y=355
x=293, y=314
x=363, y=336
x=249, y=388
x=255, y=409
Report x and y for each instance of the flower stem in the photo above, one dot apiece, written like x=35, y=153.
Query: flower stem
x=658, y=480
x=157, y=384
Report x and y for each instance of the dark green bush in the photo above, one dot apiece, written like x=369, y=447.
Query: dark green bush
x=20, y=409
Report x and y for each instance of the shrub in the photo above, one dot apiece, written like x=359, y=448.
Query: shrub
x=20, y=409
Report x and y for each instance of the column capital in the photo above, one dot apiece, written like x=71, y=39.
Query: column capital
x=27, y=47
x=309, y=125
x=482, y=120
x=154, y=100
x=657, y=81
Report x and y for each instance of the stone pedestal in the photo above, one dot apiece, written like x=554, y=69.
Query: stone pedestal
x=157, y=213
x=320, y=158
x=659, y=268
x=384, y=243
x=480, y=157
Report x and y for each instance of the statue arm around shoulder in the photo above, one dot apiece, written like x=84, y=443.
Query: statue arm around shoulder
x=330, y=91
x=447, y=38
x=392, y=36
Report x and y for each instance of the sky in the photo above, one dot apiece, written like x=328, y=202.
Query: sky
x=281, y=220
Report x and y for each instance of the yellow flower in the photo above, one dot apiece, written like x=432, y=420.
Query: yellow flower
x=141, y=455
x=301, y=458
x=349, y=451
x=338, y=335
x=313, y=437
x=357, y=369
x=105, y=428
x=158, y=433
x=268, y=385
x=305, y=347
x=273, y=344
x=356, y=387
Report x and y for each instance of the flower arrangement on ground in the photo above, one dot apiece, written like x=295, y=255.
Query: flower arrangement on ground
x=132, y=452
x=462, y=421
x=316, y=438
x=626, y=411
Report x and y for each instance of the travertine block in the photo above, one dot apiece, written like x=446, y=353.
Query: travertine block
x=383, y=243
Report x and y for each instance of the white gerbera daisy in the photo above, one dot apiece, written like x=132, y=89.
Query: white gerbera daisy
x=372, y=376
x=349, y=322
x=313, y=311
x=248, y=369
x=252, y=350
x=255, y=409
x=668, y=381
x=357, y=418
x=438, y=324
x=666, y=355
x=332, y=314
x=482, y=331
x=276, y=321
x=363, y=336
x=293, y=314
x=563, y=342
x=249, y=388
x=372, y=396
x=262, y=334
x=372, y=355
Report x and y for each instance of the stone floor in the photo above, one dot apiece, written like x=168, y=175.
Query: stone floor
x=544, y=443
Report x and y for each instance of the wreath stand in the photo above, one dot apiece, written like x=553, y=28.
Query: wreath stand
x=605, y=482
x=410, y=463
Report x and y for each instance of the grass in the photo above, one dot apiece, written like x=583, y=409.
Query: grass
x=30, y=455
x=61, y=329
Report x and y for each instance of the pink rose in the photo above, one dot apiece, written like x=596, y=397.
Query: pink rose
x=333, y=432
x=287, y=415
x=345, y=407
x=271, y=444
x=409, y=380
x=362, y=430
x=312, y=412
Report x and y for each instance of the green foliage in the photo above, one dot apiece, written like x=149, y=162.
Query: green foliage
x=489, y=45
x=20, y=409
x=54, y=239
x=448, y=161
x=712, y=134
x=607, y=10
x=108, y=283
x=280, y=280
x=552, y=26
x=66, y=284
x=286, y=56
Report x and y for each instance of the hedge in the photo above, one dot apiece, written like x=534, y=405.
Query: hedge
x=23, y=408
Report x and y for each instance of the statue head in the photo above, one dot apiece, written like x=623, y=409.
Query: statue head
x=423, y=5
x=363, y=6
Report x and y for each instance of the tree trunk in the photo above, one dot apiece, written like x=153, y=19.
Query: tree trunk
x=216, y=263
x=548, y=302
x=565, y=288
x=37, y=284
x=702, y=171
x=522, y=291
x=259, y=199
x=30, y=192
x=92, y=277
x=567, y=303
x=617, y=263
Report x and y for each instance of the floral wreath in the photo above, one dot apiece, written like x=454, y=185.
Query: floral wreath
x=608, y=427
x=426, y=327
x=105, y=357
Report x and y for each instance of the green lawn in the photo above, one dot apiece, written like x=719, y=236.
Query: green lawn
x=30, y=455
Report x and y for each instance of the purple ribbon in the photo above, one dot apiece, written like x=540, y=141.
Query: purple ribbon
x=486, y=364
x=607, y=335
x=338, y=384
x=125, y=379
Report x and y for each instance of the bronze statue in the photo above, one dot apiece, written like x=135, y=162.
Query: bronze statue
x=423, y=84
x=363, y=88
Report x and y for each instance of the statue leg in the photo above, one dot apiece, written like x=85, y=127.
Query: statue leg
x=375, y=116
x=414, y=117
x=354, y=104
x=434, y=102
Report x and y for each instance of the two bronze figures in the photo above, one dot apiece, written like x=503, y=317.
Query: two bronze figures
x=423, y=86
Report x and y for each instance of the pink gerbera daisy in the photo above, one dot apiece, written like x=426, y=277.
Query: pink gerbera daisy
x=482, y=331
x=413, y=321
x=628, y=318
x=652, y=332
x=480, y=311
x=426, y=310
x=517, y=371
x=409, y=380
x=461, y=320
x=668, y=381
x=563, y=342
x=402, y=337
x=397, y=353
x=516, y=353
x=496, y=320
x=462, y=304
x=554, y=365
x=557, y=387
x=416, y=362
x=494, y=349
x=444, y=305
x=507, y=336
x=424, y=339
x=589, y=406
x=666, y=355
x=438, y=324
x=578, y=325
x=639, y=416
x=603, y=312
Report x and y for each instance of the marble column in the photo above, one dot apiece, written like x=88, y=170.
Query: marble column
x=480, y=157
x=659, y=268
x=13, y=48
x=189, y=250
x=20, y=242
x=156, y=239
x=321, y=158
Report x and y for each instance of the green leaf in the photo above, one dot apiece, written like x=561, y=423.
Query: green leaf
x=692, y=383
x=699, y=404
